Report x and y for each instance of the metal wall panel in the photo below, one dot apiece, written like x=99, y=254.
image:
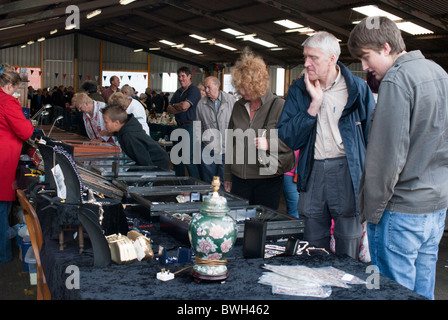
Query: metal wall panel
x=89, y=55
x=17, y=56
x=58, y=64
x=117, y=57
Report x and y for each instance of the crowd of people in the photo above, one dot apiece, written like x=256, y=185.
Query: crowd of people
x=349, y=153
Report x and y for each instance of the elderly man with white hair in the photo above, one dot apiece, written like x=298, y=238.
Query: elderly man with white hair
x=214, y=111
x=326, y=115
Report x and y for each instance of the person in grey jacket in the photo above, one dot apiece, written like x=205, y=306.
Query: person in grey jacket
x=214, y=111
x=404, y=187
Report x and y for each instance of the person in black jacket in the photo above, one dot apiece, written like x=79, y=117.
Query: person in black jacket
x=134, y=141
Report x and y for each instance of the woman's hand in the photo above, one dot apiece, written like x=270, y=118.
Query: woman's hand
x=261, y=143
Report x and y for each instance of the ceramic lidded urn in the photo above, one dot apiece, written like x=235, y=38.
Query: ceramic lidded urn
x=212, y=234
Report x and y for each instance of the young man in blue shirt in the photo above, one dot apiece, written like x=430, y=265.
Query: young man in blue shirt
x=183, y=106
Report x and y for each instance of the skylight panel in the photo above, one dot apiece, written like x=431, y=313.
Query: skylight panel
x=225, y=46
x=288, y=24
x=405, y=26
x=263, y=42
x=413, y=28
x=232, y=32
x=167, y=42
x=371, y=11
x=197, y=37
x=192, y=50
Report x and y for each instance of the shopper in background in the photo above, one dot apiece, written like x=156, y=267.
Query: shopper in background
x=257, y=105
x=14, y=130
x=92, y=117
x=213, y=111
x=327, y=117
x=183, y=106
x=403, y=194
x=290, y=191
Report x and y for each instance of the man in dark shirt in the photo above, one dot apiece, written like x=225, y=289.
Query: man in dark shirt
x=183, y=106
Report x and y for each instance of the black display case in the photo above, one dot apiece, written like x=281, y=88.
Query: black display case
x=278, y=225
x=169, y=200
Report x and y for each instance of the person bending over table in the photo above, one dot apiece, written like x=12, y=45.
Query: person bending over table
x=134, y=141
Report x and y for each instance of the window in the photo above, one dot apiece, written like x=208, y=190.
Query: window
x=169, y=82
x=137, y=80
x=280, y=83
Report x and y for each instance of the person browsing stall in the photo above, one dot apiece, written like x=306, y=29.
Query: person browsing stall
x=326, y=116
x=92, y=118
x=258, y=106
x=214, y=112
x=134, y=141
x=14, y=130
x=404, y=187
x=131, y=105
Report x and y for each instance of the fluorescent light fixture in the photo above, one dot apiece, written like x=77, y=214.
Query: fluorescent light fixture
x=93, y=14
x=138, y=50
x=210, y=41
x=125, y=2
x=413, y=28
x=41, y=39
x=197, y=37
x=178, y=46
x=23, y=46
x=232, y=32
x=405, y=26
x=53, y=31
x=153, y=49
x=192, y=50
x=246, y=37
x=30, y=42
x=263, y=43
x=167, y=42
x=288, y=24
x=277, y=49
x=372, y=10
x=301, y=30
x=70, y=27
x=11, y=27
x=225, y=46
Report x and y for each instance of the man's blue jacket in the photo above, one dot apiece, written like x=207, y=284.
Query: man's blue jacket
x=297, y=128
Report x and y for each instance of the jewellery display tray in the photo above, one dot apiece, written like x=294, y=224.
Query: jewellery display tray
x=278, y=225
x=165, y=200
x=161, y=184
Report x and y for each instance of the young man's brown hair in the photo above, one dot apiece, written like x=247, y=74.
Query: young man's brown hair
x=372, y=33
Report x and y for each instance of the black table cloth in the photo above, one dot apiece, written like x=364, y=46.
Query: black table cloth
x=137, y=281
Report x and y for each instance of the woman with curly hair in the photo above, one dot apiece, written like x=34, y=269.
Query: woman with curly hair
x=248, y=139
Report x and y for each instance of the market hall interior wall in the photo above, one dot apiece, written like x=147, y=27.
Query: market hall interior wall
x=56, y=58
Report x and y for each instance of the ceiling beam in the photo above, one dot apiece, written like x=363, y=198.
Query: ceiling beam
x=402, y=7
x=302, y=17
x=26, y=5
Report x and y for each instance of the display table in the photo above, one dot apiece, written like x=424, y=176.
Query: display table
x=137, y=281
